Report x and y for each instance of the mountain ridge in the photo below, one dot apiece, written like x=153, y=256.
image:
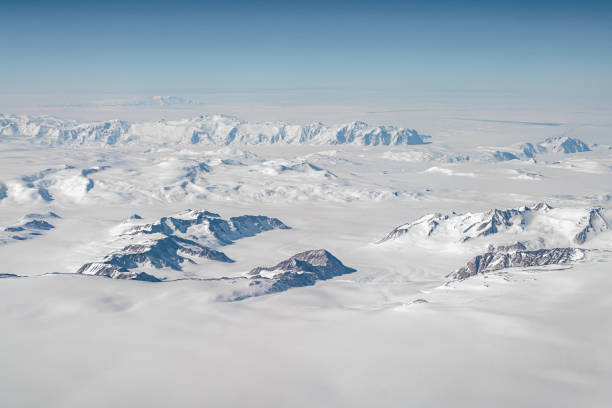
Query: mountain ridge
x=215, y=130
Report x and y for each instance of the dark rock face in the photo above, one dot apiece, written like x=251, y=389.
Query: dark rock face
x=194, y=172
x=116, y=272
x=302, y=269
x=87, y=172
x=30, y=226
x=529, y=150
x=166, y=252
x=495, y=219
x=517, y=246
x=250, y=225
x=592, y=223
x=223, y=231
x=516, y=256
x=38, y=224
x=171, y=241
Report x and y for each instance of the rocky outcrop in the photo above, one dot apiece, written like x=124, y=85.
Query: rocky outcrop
x=516, y=256
x=302, y=269
x=171, y=241
x=210, y=226
x=28, y=227
x=591, y=224
x=168, y=252
x=3, y=191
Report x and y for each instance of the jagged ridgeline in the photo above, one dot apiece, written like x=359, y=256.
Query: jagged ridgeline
x=516, y=256
x=527, y=150
x=216, y=130
x=302, y=269
x=542, y=222
x=190, y=236
x=539, y=227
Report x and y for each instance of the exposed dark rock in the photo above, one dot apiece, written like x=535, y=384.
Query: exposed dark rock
x=38, y=224
x=303, y=269
x=30, y=226
x=116, y=272
x=44, y=194
x=592, y=223
x=14, y=229
x=517, y=246
x=501, y=258
x=166, y=252
x=223, y=231
x=171, y=241
x=87, y=172
x=194, y=171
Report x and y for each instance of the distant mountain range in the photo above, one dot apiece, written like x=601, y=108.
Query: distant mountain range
x=527, y=150
x=223, y=130
x=542, y=236
x=216, y=130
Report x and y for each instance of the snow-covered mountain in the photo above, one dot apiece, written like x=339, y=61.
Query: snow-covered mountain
x=28, y=227
x=189, y=236
x=528, y=150
x=514, y=256
x=302, y=269
x=217, y=130
x=563, y=144
x=298, y=167
x=541, y=224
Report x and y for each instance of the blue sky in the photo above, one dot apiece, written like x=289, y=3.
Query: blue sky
x=558, y=49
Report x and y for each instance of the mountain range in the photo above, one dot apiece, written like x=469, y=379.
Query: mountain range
x=541, y=222
x=190, y=236
x=216, y=130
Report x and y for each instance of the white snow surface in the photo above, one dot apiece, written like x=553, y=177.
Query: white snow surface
x=394, y=333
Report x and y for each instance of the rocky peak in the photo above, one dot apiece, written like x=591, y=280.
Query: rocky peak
x=592, y=223
x=516, y=256
x=302, y=269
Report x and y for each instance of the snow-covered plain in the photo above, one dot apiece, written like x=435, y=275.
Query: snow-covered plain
x=395, y=332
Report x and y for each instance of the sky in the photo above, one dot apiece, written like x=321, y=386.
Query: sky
x=313, y=49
